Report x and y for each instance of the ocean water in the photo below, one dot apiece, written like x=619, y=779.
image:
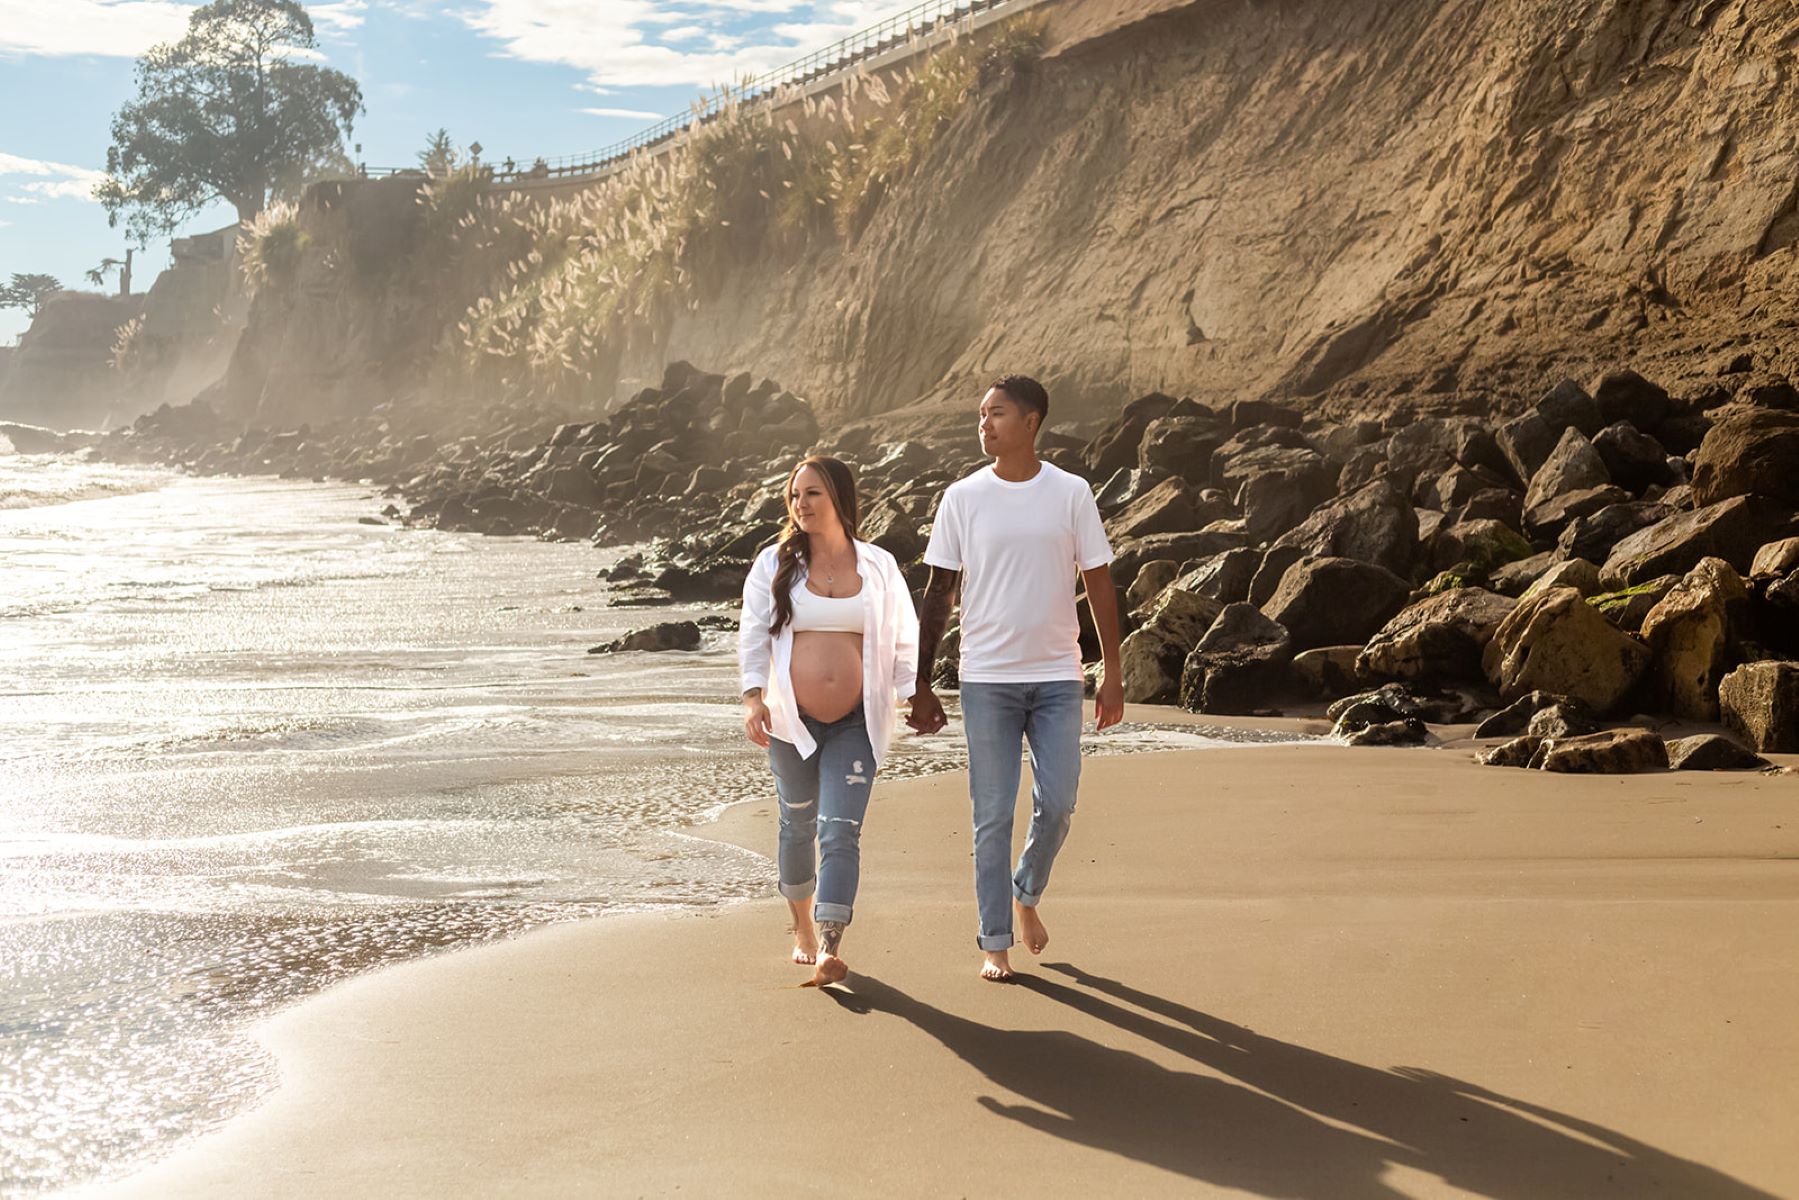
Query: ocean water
x=255, y=746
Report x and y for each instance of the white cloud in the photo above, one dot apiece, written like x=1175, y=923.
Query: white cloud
x=622, y=43
x=337, y=18
x=52, y=180
x=634, y=113
x=110, y=28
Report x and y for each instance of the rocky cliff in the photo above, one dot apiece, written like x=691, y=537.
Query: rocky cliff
x=92, y=361
x=1355, y=208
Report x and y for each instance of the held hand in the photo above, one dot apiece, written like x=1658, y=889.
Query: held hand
x=755, y=722
x=927, y=715
x=1108, y=703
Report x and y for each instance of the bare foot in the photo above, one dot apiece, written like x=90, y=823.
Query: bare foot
x=1030, y=928
x=831, y=969
x=997, y=968
x=805, y=933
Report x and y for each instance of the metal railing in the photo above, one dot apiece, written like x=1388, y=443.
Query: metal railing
x=917, y=22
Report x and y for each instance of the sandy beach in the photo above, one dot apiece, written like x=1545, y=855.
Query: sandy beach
x=1305, y=970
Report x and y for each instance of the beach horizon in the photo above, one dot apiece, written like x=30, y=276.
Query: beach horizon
x=1306, y=970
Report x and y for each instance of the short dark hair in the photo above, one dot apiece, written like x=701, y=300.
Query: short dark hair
x=1026, y=391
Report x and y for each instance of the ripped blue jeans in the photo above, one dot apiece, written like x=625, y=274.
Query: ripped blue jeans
x=823, y=801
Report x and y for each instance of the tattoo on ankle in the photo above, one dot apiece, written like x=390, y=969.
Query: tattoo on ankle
x=830, y=936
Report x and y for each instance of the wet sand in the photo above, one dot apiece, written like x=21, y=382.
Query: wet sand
x=1297, y=971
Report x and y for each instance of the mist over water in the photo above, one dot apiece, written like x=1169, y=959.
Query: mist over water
x=256, y=746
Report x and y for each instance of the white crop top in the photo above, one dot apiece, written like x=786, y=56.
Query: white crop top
x=813, y=613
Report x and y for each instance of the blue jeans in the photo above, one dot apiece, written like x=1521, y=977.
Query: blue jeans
x=999, y=718
x=824, y=800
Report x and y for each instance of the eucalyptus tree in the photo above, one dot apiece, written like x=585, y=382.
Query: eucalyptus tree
x=229, y=112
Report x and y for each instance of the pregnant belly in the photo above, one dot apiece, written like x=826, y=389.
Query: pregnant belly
x=827, y=674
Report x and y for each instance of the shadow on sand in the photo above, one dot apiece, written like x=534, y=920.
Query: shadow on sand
x=1277, y=1119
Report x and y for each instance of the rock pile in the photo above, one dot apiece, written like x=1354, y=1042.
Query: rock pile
x=1610, y=550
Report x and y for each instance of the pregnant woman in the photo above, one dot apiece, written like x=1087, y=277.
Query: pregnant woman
x=828, y=647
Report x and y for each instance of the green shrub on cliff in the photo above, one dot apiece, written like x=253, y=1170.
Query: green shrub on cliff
x=269, y=251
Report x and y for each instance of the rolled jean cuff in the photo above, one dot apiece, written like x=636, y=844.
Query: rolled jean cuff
x=831, y=912
x=1028, y=899
x=995, y=941
x=799, y=891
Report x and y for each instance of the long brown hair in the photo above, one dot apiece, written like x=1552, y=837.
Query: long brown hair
x=795, y=546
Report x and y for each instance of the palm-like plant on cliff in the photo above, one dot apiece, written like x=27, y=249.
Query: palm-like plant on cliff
x=225, y=113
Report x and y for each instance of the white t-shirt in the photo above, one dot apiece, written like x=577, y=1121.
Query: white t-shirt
x=1020, y=548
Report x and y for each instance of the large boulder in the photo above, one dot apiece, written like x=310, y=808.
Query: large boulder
x=1478, y=546
x=1517, y=716
x=1528, y=440
x=1731, y=529
x=1627, y=607
x=1126, y=485
x=1759, y=702
x=1634, y=459
x=1386, y=716
x=1515, y=578
x=1576, y=573
x=1278, y=498
x=1181, y=446
x=1555, y=514
x=1224, y=576
x=1151, y=658
x=1519, y=752
x=1712, y=752
x=1627, y=396
x=1151, y=578
x=887, y=526
x=1375, y=524
x=1166, y=508
x=1567, y=405
x=1329, y=601
x=1438, y=639
x=1593, y=537
x=1749, y=451
x=1117, y=444
x=1689, y=637
x=1556, y=642
x=1242, y=664
x=1571, y=467
x=1129, y=554
x=1613, y=752
x=669, y=635
x=1327, y=671
x=1776, y=559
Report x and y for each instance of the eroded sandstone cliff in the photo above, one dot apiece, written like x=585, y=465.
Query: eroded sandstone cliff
x=1446, y=205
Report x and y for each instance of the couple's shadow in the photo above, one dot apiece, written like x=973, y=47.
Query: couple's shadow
x=1276, y=1119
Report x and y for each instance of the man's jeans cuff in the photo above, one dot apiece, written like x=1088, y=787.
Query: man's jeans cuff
x=799, y=891
x=831, y=912
x=1028, y=899
x=995, y=941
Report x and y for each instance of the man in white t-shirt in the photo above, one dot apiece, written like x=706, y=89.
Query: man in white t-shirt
x=1015, y=536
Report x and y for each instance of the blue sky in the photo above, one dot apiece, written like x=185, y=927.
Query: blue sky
x=522, y=77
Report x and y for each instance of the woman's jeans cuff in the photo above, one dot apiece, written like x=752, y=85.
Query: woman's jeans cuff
x=799, y=891
x=995, y=941
x=839, y=913
x=1025, y=898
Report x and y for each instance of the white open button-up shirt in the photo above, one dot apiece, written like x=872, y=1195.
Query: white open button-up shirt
x=889, y=648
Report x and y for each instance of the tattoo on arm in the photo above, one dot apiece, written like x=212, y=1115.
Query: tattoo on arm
x=933, y=619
